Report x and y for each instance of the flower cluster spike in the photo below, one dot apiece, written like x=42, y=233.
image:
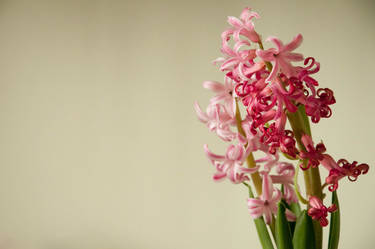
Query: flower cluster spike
x=268, y=85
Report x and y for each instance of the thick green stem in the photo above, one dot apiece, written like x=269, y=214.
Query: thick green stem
x=300, y=125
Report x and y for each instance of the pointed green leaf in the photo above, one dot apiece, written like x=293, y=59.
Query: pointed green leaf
x=260, y=225
x=264, y=237
x=283, y=233
x=296, y=208
x=303, y=237
x=334, y=228
x=292, y=224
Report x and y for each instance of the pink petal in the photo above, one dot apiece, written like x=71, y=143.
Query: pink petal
x=240, y=44
x=266, y=55
x=229, y=63
x=254, y=68
x=235, y=22
x=279, y=44
x=293, y=56
x=249, y=170
x=329, y=163
x=307, y=140
x=202, y=116
x=253, y=202
x=274, y=72
x=219, y=176
x=290, y=215
x=211, y=155
x=256, y=213
x=246, y=14
x=315, y=202
x=276, y=198
x=295, y=43
x=213, y=86
x=218, y=60
x=217, y=98
x=286, y=67
x=267, y=187
x=268, y=216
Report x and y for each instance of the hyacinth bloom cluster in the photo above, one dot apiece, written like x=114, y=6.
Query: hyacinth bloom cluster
x=263, y=90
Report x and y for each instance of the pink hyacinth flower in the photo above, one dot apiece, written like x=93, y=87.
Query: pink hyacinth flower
x=217, y=120
x=318, y=211
x=285, y=176
x=224, y=93
x=282, y=56
x=266, y=205
x=230, y=165
x=244, y=26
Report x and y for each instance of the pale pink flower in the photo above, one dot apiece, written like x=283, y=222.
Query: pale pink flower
x=217, y=120
x=318, y=211
x=244, y=26
x=231, y=164
x=282, y=56
x=224, y=93
x=239, y=61
x=285, y=176
x=266, y=204
x=253, y=140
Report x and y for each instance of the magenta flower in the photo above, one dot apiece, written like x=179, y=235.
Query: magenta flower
x=319, y=107
x=230, y=165
x=313, y=155
x=266, y=205
x=318, y=211
x=342, y=168
x=282, y=56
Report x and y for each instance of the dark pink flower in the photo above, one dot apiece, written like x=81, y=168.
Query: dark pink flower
x=318, y=211
x=319, y=107
x=313, y=155
x=342, y=168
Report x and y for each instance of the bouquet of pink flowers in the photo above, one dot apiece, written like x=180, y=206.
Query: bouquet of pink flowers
x=272, y=92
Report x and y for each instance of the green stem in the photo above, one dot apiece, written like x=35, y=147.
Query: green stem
x=255, y=177
x=300, y=125
x=300, y=197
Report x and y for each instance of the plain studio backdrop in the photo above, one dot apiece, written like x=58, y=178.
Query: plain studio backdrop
x=100, y=147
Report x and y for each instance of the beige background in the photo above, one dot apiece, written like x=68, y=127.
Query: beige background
x=99, y=144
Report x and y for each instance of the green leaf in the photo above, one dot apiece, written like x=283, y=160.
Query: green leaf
x=283, y=233
x=260, y=225
x=334, y=228
x=296, y=208
x=304, y=237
